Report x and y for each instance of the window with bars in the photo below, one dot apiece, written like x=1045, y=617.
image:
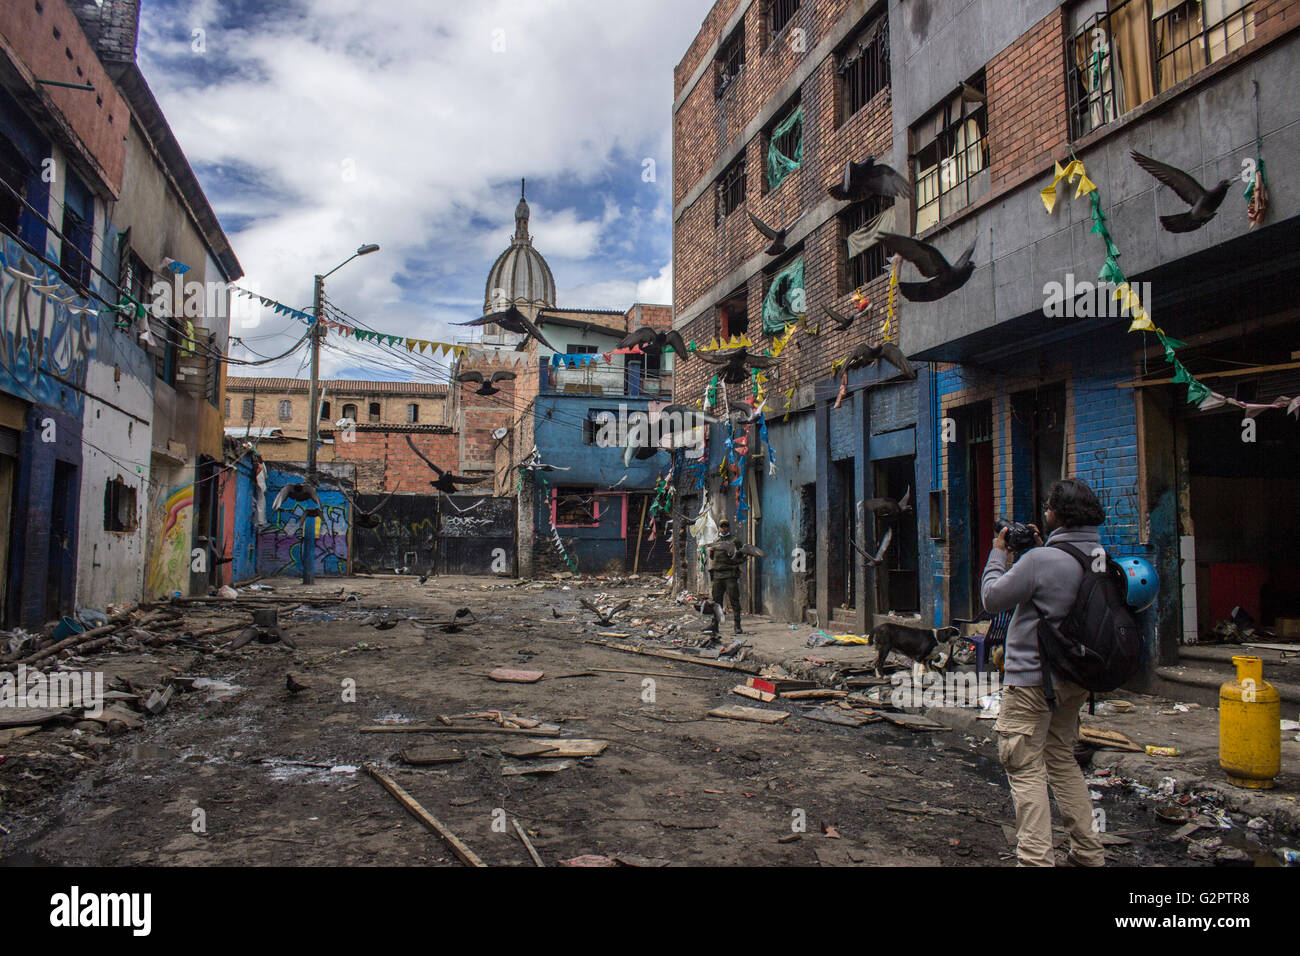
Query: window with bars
x=870, y=263
x=784, y=138
x=950, y=157
x=286, y=411
x=246, y=411
x=1123, y=52
x=78, y=228
x=576, y=507
x=731, y=189
x=780, y=13
x=730, y=60
x=412, y=413
x=864, y=67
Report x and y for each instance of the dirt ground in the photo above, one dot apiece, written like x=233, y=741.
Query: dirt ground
x=276, y=778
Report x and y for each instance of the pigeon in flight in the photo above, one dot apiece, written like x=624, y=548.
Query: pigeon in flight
x=446, y=482
x=841, y=320
x=888, y=507
x=874, y=559
x=738, y=362
x=869, y=178
x=730, y=549
x=486, y=386
x=512, y=320
x=605, y=618
x=867, y=354
x=943, y=278
x=653, y=342
x=776, y=236
x=367, y=519
x=1204, y=203
x=299, y=491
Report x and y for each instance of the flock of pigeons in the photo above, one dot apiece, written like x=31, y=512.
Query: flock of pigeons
x=860, y=180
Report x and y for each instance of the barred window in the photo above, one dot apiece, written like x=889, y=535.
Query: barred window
x=286, y=411
x=951, y=155
x=731, y=188
x=412, y=413
x=1190, y=35
x=864, y=67
x=781, y=12
x=731, y=59
x=246, y=410
x=869, y=263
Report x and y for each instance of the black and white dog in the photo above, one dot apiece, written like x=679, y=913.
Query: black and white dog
x=932, y=646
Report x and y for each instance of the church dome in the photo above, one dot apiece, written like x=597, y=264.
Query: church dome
x=520, y=276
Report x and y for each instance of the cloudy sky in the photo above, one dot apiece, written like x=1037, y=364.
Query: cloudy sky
x=318, y=125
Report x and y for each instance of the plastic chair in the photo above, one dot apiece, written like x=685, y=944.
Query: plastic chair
x=995, y=635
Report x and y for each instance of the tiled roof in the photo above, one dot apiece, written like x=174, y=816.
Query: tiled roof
x=340, y=386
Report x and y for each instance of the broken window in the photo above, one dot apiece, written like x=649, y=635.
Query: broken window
x=286, y=411
x=864, y=67
x=951, y=156
x=731, y=59
x=785, y=146
x=119, y=506
x=576, y=506
x=862, y=224
x=733, y=314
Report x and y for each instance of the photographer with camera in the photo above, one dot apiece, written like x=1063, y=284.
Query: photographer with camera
x=1036, y=741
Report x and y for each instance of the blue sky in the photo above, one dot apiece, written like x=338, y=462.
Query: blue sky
x=318, y=125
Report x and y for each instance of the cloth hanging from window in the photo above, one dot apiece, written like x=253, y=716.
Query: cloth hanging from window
x=785, y=298
x=780, y=165
x=863, y=239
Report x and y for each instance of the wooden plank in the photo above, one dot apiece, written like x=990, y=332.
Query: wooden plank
x=912, y=721
x=667, y=655
x=429, y=756
x=508, y=675
x=523, y=838
x=31, y=716
x=838, y=718
x=775, y=685
x=620, y=670
x=753, y=693
x=537, y=766
x=750, y=714
x=463, y=853
x=439, y=729
x=816, y=693
x=572, y=747
x=529, y=748
x=1108, y=738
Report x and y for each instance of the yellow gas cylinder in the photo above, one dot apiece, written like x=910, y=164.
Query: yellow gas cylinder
x=1250, y=726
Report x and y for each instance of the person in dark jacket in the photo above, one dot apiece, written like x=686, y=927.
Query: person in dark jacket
x=1035, y=742
x=727, y=557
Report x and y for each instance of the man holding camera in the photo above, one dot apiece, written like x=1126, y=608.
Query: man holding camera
x=1035, y=742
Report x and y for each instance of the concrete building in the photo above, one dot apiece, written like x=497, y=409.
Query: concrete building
x=772, y=98
x=113, y=435
x=1021, y=391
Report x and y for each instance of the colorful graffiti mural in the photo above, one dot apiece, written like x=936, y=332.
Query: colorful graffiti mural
x=279, y=542
x=47, y=333
x=169, y=554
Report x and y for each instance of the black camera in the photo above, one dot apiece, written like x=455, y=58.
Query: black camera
x=1020, y=537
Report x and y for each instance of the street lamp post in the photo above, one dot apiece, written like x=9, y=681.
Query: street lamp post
x=313, y=409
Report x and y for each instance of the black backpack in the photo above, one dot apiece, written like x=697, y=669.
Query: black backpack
x=1098, y=645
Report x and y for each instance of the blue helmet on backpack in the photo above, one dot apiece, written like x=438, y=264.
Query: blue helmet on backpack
x=1143, y=582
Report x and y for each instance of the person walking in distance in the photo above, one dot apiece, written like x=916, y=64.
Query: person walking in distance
x=1036, y=742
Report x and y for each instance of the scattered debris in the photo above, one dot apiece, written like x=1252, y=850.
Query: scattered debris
x=463, y=853
x=506, y=675
x=750, y=714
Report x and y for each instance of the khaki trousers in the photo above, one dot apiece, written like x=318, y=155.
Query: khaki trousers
x=1036, y=746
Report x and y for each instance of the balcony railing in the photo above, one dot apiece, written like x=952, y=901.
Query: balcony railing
x=606, y=380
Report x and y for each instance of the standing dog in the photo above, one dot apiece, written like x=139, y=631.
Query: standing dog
x=932, y=646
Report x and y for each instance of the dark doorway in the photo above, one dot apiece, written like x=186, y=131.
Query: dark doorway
x=808, y=542
x=970, y=521
x=843, y=528
x=60, y=572
x=896, y=576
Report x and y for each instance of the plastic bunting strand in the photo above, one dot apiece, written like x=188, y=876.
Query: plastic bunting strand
x=1198, y=393
x=556, y=542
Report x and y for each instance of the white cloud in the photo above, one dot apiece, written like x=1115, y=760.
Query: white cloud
x=401, y=127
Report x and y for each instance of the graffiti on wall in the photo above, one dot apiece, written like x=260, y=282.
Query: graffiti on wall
x=169, y=552
x=46, y=334
x=279, y=542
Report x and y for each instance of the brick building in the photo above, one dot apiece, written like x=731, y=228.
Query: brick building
x=771, y=100
x=1017, y=391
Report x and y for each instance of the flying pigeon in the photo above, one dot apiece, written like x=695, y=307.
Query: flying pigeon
x=486, y=386
x=875, y=559
x=777, y=236
x=888, y=507
x=299, y=491
x=535, y=463
x=1204, y=203
x=446, y=482
x=738, y=362
x=743, y=413
x=867, y=354
x=293, y=687
x=653, y=342
x=640, y=453
x=730, y=549
x=869, y=178
x=512, y=320
x=943, y=278
x=839, y=318
x=605, y=618
x=367, y=519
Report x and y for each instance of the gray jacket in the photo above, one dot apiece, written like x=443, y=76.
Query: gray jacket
x=1047, y=577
